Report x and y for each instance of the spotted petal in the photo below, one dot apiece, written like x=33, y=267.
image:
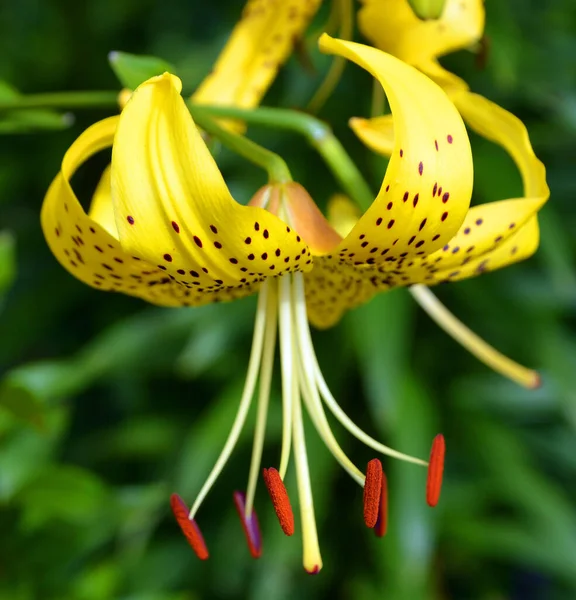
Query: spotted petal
x=88, y=246
x=426, y=191
x=393, y=27
x=173, y=208
x=260, y=43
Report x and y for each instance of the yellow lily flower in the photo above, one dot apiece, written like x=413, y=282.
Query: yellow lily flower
x=163, y=227
x=493, y=235
x=259, y=44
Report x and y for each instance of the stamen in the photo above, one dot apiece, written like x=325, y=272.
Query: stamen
x=314, y=571
x=263, y=395
x=307, y=382
x=289, y=384
x=249, y=525
x=280, y=499
x=316, y=382
x=435, y=470
x=473, y=343
x=248, y=392
x=189, y=527
x=372, y=492
x=382, y=522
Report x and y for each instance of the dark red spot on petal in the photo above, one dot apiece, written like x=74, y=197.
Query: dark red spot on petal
x=130, y=220
x=197, y=241
x=175, y=226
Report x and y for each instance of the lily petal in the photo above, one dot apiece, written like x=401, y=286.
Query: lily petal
x=393, y=27
x=431, y=152
x=513, y=249
x=173, y=208
x=260, y=43
x=490, y=234
x=500, y=126
x=376, y=133
x=101, y=209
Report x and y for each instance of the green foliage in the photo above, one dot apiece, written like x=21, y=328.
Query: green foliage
x=107, y=406
x=132, y=69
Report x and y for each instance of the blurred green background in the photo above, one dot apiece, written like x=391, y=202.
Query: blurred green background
x=108, y=405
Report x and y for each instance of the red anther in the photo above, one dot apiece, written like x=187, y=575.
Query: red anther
x=250, y=525
x=435, y=470
x=382, y=523
x=280, y=499
x=372, y=492
x=189, y=527
x=314, y=571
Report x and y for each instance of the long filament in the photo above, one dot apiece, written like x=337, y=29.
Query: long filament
x=248, y=392
x=473, y=343
x=288, y=370
x=263, y=395
x=307, y=348
x=308, y=383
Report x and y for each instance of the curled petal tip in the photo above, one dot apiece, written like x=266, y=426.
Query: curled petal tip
x=189, y=527
x=249, y=525
x=280, y=499
x=435, y=470
x=372, y=492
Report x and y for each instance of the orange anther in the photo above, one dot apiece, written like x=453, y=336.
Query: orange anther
x=372, y=492
x=250, y=525
x=280, y=499
x=382, y=522
x=435, y=470
x=189, y=527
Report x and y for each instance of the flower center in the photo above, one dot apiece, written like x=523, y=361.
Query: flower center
x=282, y=309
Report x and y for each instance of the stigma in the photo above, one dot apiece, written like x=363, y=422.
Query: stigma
x=281, y=316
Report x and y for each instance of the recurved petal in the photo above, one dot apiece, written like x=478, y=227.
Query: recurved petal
x=173, y=208
x=500, y=126
x=486, y=230
x=101, y=209
x=260, y=43
x=93, y=254
x=376, y=133
x=393, y=27
x=513, y=249
x=426, y=191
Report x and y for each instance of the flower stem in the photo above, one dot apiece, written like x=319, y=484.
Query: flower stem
x=278, y=171
x=318, y=134
x=64, y=100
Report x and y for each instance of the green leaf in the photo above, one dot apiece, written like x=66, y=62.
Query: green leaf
x=7, y=262
x=133, y=69
x=64, y=492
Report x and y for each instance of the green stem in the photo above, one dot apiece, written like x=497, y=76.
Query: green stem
x=277, y=169
x=65, y=100
x=318, y=134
